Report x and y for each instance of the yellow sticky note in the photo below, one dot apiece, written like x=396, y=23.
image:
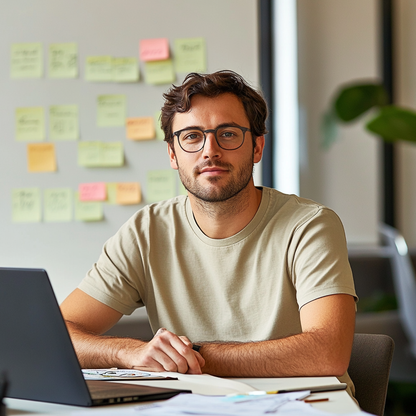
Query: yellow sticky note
x=30, y=124
x=111, y=110
x=26, y=206
x=63, y=122
x=111, y=193
x=41, y=157
x=128, y=193
x=160, y=135
x=111, y=154
x=159, y=72
x=26, y=60
x=88, y=211
x=57, y=205
x=140, y=128
x=161, y=184
x=125, y=70
x=190, y=55
x=63, y=60
x=99, y=69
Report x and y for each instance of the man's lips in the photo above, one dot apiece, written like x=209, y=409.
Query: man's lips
x=212, y=170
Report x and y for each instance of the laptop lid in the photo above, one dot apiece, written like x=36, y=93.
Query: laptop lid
x=37, y=354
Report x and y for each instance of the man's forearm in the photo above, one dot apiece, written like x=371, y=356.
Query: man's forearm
x=311, y=353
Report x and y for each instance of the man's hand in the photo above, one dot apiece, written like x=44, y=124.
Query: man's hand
x=166, y=352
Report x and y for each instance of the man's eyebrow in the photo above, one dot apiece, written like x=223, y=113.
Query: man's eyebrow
x=231, y=123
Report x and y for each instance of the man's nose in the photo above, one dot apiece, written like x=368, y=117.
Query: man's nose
x=211, y=148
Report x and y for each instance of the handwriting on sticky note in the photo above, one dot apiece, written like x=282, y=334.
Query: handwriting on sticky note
x=96, y=191
x=99, y=69
x=26, y=205
x=63, y=122
x=161, y=184
x=190, y=55
x=41, y=157
x=125, y=70
x=93, y=154
x=159, y=72
x=128, y=193
x=88, y=211
x=26, y=60
x=30, y=124
x=140, y=128
x=111, y=110
x=63, y=60
x=154, y=49
x=57, y=204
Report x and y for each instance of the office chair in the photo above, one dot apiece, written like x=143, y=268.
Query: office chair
x=369, y=370
x=404, y=281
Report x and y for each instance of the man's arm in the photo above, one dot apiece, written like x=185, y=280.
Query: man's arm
x=322, y=349
x=87, y=318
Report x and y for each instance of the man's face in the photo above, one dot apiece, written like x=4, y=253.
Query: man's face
x=214, y=174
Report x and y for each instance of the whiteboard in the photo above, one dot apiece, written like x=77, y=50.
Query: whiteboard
x=99, y=27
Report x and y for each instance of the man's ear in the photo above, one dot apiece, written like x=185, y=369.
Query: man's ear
x=172, y=156
x=258, y=149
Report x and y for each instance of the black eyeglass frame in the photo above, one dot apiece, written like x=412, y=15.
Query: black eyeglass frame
x=204, y=132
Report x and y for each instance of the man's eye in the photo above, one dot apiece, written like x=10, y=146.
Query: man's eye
x=192, y=136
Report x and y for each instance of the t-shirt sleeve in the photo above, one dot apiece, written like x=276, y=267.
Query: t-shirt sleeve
x=117, y=278
x=318, y=258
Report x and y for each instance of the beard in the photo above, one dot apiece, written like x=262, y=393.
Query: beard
x=237, y=181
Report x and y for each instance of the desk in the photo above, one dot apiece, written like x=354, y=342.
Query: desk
x=339, y=401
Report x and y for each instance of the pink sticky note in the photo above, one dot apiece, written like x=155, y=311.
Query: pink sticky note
x=154, y=49
x=96, y=191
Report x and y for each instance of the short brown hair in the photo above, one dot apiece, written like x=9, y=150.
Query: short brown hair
x=178, y=99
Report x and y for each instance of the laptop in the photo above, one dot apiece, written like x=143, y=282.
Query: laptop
x=37, y=355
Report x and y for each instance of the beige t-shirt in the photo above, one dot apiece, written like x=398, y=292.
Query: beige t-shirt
x=247, y=287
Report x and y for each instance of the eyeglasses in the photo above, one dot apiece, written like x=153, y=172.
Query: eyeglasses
x=193, y=139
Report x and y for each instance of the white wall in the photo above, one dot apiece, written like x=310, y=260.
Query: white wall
x=338, y=42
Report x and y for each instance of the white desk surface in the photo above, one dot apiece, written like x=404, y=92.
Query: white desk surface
x=339, y=401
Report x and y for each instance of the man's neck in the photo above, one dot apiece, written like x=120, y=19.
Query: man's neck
x=225, y=219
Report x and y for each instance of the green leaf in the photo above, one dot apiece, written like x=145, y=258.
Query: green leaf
x=355, y=100
x=329, y=129
x=394, y=123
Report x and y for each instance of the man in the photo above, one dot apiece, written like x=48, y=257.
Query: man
x=258, y=280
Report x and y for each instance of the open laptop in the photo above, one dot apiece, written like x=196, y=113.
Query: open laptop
x=36, y=352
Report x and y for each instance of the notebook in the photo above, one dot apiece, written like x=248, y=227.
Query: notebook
x=36, y=352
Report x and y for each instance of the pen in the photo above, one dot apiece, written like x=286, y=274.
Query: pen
x=313, y=389
x=316, y=400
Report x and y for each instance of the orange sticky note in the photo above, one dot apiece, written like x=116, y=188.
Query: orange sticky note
x=154, y=49
x=140, y=128
x=41, y=157
x=96, y=191
x=128, y=193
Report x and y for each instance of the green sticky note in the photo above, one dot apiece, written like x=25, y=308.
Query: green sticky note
x=26, y=206
x=63, y=122
x=161, y=185
x=111, y=193
x=88, y=211
x=112, y=154
x=57, y=205
x=99, y=69
x=182, y=189
x=63, y=60
x=125, y=70
x=30, y=124
x=160, y=135
x=89, y=154
x=190, y=55
x=159, y=72
x=111, y=110
x=26, y=60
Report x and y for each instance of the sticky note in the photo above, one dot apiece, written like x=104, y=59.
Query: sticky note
x=128, y=193
x=26, y=205
x=140, y=128
x=190, y=55
x=96, y=191
x=99, y=69
x=26, y=60
x=125, y=70
x=160, y=135
x=89, y=154
x=111, y=193
x=88, y=211
x=111, y=154
x=30, y=124
x=154, y=49
x=63, y=122
x=182, y=189
x=161, y=184
x=159, y=72
x=63, y=60
x=111, y=110
x=41, y=157
x=57, y=205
